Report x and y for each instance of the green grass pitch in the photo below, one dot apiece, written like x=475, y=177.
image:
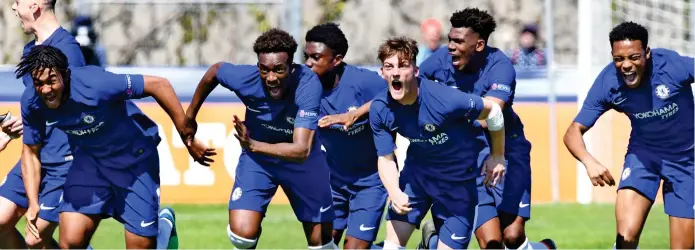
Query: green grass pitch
x=570, y=225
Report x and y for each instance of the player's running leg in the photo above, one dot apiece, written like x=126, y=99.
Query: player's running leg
x=76, y=229
x=50, y=197
x=167, y=238
x=10, y=214
x=638, y=186
x=679, y=200
x=309, y=192
x=13, y=203
x=366, y=209
x=253, y=189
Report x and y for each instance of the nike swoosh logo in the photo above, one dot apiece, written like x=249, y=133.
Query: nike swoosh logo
x=394, y=129
x=253, y=110
x=522, y=205
x=363, y=228
x=48, y=124
x=324, y=209
x=618, y=102
x=453, y=237
x=143, y=224
x=44, y=207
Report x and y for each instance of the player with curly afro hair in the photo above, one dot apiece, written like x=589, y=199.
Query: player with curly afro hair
x=486, y=71
x=279, y=139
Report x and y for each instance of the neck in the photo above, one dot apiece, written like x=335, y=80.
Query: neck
x=476, y=63
x=331, y=79
x=411, y=96
x=44, y=26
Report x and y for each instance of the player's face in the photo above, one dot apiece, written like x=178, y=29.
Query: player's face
x=463, y=44
x=274, y=69
x=320, y=58
x=24, y=10
x=49, y=85
x=401, y=76
x=630, y=59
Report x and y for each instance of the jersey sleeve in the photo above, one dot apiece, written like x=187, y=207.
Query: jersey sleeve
x=432, y=69
x=34, y=125
x=119, y=87
x=308, y=99
x=465, y=105
x=371, y=85
x=594, y=105
x=502, y=83
x=232, y=76
x=689, y=64
x=383, y=139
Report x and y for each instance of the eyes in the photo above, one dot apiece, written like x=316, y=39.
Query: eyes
x=279, y=69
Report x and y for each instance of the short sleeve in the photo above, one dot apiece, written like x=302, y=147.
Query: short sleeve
x=689, y=64
x=383, y=139
x=371, y=85
x=117, y=87
x=433, y=70
x=594, y=105
x=465, y=105
x=502, y=82
x=232, y=76
x=308, y=99
x=34, y=125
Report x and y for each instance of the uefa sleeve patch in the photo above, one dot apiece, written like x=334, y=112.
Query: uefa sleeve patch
x=501, y=87
x=308, y=114
x=129, y=86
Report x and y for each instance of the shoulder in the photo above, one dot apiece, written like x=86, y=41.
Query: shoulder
x=361, y=74
x=306, y=77
x=438, y=60
x=30, y=99
x=380, y=103
x=237, y=75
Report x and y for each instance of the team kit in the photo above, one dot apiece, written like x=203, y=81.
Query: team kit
x=89, y=153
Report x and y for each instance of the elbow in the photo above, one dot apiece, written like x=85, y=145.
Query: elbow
x=301, y=155
x=569, y=136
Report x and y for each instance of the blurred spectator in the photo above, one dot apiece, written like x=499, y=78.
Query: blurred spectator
x=528, y=56
x=431, y=30
x=83, y=30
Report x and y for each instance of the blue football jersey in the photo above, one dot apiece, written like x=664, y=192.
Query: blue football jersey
x=497, y=78
x=439, y=126
x=56, y=148
x=355, y=88
x=660, y=109
x=94, y=116
x=269, y=120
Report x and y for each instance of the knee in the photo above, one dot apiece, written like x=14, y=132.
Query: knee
x=72, y=241
x=242, y=238
x=514, y=237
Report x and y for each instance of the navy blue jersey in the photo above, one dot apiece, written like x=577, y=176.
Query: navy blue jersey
x=439, y=126
x=356, y=87
x=660, y=108
x=269, y=120
x=56, y=147
x=497, y=78
x=94, y=117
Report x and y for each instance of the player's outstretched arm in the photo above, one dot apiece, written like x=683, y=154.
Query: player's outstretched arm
x=162, y=91
x=346, y=119
x=388, y=173
x=4, y=141
x=206, y=85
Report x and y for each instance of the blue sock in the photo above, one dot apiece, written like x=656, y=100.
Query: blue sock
x=433, y=241
x=165, y=229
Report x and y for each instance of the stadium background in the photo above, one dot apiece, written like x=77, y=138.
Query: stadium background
x=178, y=39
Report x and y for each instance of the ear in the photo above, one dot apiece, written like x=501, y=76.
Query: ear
x=648, y=53
x=337, y=60
x=381, y=72
x=34, y=6
x=480, y=45
x=417, y=70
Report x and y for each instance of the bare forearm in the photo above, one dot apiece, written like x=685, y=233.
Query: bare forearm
x=363, y=110
x=286, y=151
x=206, y=85
x=388, y=173
x=162, y=91
x=31, y=174
x=575, y=144
x=497, y=142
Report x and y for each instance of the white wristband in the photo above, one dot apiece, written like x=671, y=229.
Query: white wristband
x=495, y=119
